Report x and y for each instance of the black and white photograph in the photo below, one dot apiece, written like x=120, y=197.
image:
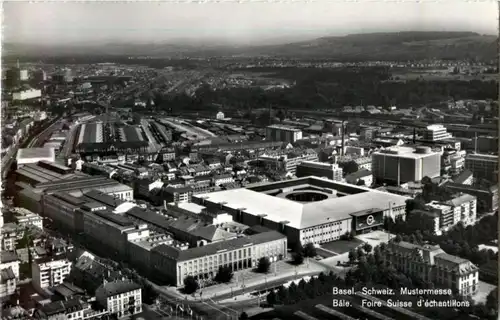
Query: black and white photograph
x=248, y=160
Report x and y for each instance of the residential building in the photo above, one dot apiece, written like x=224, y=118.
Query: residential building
x=487, y=198
x=10, y=233
x=9, y=259
x=220, y=115
x=49, y=273
x=203, y=262
x=181, y=194
x=25, y=218
x=223, y=178
x=283, y=133
x=120, y=297
x=73, y=309
x=404, y=164
x=319, y=169
x=432, y=264
x=288, y=162
x=361, y=175
x=483, y=166
x=8, y=283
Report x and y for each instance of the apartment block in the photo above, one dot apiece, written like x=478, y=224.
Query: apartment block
x=121, y=297
x=432, y=264
x=46, y=274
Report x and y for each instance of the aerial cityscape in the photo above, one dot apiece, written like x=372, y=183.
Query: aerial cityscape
x=243, y=161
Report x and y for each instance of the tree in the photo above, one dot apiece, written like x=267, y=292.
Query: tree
x=361, y=253
x=224, y=275
x=361, y=182
x=398, y=238
x=298, y=258
x=271, y=298
x=283, y=294
x=309, y=251
x=367, y=247
x=244, y=316
x=263, y=265
x=190, y=285
x=350, y=167
x=353, y=256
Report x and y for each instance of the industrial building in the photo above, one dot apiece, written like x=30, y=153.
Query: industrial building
x=283, y=133
x=307, y=210
x=483, y=166
x=34, y=155
x=27, y=95
x=319, y=169
x=103, y=139
x=398, y=165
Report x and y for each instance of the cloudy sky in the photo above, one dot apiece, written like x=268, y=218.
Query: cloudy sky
x=245, y=21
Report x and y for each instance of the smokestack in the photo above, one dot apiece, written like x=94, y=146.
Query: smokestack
x=414, y=135
x=343, y=137
x=18, y=64
x=475, y=142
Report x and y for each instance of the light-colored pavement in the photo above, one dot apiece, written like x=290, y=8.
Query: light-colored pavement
x=246, y=279
x=483, y=292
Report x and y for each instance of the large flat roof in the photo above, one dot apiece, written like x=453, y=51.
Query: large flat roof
x=304, y=215
x=404, y=152
x=33, y=153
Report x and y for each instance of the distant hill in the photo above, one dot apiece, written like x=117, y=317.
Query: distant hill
x=372, y=46
x=393, y=46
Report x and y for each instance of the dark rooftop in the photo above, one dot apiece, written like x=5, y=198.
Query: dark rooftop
x=115, y=218
x=117, y=287
x=213, y=248
x=8, y=256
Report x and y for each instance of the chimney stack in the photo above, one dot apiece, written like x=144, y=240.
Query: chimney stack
x=414, y=135
x=343, y=137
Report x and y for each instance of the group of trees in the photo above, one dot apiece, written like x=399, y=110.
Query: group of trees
x=263, y=265
x=224, y=275
x=308, y=251
x=304, y=290
x=460, y=241
x=356, y=254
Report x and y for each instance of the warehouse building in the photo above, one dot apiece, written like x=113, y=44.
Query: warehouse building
x=34, y=155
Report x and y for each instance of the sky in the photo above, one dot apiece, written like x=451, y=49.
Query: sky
x=243, y=22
